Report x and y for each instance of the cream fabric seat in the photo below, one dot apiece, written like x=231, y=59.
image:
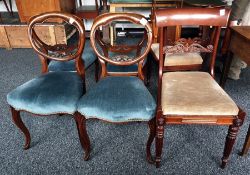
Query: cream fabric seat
x=178, y=58
x=194, y=93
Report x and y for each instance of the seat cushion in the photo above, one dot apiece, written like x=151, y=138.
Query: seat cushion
x=194, y=93
x=51, y=93
x=118, y=99
x=178, y=59
x=88, y=57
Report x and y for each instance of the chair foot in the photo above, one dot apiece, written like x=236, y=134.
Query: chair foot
x=83, y=135
x=231, y=137
x=86, y=156
x=246, y=144
x=19, y=123
x=151, y=138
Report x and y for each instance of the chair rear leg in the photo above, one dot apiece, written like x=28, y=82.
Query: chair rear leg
x=231, y=137
x=83, y=135
x=152, y=130
x=159, y=137
x=246, y=144
x=19, y=123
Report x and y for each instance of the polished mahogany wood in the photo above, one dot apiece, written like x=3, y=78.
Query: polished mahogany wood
x=84, y=138
x=104, y=58
x=19, y=123
x=58, y=52
x=192, y=16
x=216, y=18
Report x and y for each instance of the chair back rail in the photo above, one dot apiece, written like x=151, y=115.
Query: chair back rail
x=192, y=16
x=104, y=20
x=63, y=51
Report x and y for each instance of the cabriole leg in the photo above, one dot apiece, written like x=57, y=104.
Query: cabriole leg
x=152, y=133
x=19, y=123
x=82, y=132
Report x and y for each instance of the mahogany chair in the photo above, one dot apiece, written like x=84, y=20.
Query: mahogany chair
x=52, y=92
x=118, y=99
x=194, y=97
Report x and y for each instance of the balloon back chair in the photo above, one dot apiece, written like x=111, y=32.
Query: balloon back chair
x=52, y=92
x=118, y=99
x=193, y=97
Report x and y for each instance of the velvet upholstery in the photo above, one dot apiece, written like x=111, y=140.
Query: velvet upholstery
x=194, y=93
x=88, y=57
x=50, y=93
x=178, y=58
x=118, y=99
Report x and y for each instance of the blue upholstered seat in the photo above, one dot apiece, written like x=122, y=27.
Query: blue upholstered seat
x=50, y=93
x=118, y=99
x=88, y=57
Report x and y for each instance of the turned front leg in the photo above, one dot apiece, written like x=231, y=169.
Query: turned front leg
x=231, y=137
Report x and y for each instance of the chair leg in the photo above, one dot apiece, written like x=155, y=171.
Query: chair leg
x=231, y=137
x=82, y=132
x=96, y=70
x=246, y=144
x=159, y=137
x=152, y=130
x=19, y=123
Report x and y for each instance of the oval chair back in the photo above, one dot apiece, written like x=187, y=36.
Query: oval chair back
x=58, y=52
x=124, y=59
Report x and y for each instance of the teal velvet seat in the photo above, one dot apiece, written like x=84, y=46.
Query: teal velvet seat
x=118, y=99
x=88, y=57
x=50, y=93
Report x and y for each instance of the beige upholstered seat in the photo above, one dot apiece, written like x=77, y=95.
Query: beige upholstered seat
x=194, y=93
x=178, y=58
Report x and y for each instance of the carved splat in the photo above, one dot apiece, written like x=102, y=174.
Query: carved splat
x=188, y=45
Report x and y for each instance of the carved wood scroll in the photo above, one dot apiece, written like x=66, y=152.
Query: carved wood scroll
x=188, y=45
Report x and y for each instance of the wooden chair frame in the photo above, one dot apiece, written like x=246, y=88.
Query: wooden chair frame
x=42, y=49
x=193, y=16
x=103, y=20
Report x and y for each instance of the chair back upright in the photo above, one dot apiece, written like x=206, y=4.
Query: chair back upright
x=58, y=52
x=103, y=49
x=212, y=18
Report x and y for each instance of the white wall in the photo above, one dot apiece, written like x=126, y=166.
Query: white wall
x=3, y=8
